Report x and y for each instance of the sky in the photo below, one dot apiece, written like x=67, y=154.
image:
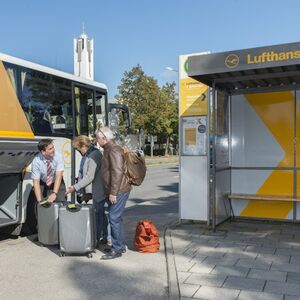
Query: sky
x=150, y=33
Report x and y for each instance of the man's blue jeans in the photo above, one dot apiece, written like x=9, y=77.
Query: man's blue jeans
x=116, y=222
x=101, y=220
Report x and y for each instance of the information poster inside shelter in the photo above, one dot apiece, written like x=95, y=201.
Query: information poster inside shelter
x=194, y=135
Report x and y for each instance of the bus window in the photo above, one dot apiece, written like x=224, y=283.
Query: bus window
x=84, y=111
x=61, y=110
x=12, y=74
x=36, y=96
x=47, y=102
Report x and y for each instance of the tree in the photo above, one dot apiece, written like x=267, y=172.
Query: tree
x=170, y=113
x=152, y=108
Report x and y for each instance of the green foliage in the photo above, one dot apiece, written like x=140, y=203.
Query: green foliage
x=152, y=108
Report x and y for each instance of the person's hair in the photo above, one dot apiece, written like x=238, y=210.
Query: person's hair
x=44, y=143
x=81, y=141
x=106, y=133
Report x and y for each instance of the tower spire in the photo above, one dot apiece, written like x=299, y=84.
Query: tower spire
x=83, y=29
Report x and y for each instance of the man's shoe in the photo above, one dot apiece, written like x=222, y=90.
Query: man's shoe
x=111, y=255
x=108, y=250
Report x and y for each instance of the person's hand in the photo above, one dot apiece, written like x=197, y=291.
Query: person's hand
x=112, y=199
x=51, y=198
x=69, y=190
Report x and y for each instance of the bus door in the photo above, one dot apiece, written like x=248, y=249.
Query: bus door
x=89, y=113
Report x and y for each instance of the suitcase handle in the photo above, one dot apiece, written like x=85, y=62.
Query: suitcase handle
x=72, y=207
x=45, y=203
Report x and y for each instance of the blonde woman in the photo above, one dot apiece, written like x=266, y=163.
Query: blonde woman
x=89, y=181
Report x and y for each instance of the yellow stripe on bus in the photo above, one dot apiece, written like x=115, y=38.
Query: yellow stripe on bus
x=16, y=134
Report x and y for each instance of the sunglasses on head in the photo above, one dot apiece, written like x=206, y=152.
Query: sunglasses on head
x=104, y=136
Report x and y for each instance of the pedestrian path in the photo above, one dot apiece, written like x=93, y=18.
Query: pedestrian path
x=241, y=260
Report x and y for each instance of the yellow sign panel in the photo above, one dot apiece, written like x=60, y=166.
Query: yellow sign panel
x=193, y=97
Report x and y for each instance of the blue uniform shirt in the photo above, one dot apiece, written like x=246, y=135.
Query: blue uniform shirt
x=39, y=166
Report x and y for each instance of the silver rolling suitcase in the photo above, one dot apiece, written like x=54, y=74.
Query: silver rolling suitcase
x=48, y=233
x=77, y=229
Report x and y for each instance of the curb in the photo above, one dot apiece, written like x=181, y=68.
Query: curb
x=173, y=292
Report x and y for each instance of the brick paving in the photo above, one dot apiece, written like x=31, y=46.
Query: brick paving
x=242, y=260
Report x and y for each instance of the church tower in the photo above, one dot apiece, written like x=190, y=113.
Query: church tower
x=84, y=56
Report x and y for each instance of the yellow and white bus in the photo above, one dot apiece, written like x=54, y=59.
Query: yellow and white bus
x=35, y=102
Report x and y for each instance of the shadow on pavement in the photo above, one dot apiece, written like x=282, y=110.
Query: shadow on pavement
x=171, y=187
x=128, y=281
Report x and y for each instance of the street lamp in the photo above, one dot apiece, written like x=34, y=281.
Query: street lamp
x=171, y=69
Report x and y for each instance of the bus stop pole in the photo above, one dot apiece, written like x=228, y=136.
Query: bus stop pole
x=213, y=167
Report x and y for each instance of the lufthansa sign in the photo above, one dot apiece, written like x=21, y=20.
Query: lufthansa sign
x=239, y=60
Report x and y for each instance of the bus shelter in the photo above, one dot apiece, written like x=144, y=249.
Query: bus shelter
x=250, y=142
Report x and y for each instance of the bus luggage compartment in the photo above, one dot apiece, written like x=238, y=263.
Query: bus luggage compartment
x=15, y=155
x=9, y=199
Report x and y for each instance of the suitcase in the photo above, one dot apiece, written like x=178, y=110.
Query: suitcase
x=48, y=233
x=77, y=229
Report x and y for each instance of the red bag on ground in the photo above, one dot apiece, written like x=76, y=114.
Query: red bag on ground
x=146, y=237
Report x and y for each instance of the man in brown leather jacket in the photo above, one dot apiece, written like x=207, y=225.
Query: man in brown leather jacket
x=116, y=187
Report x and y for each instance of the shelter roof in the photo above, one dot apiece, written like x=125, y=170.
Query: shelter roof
x=248, y=69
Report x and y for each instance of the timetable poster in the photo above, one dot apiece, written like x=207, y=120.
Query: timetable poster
x=194, y=135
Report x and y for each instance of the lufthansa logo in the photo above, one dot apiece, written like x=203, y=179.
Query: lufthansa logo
x=232, y=61
x=66, y=151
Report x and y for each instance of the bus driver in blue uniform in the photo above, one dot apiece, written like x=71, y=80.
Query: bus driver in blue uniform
x=47, y=173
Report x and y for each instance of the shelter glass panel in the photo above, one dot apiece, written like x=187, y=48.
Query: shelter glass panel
x=297, y=156
x=263, y=130
x=222, y=131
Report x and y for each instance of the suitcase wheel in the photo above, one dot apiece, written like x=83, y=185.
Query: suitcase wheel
x=62, y=254
x=90, y=255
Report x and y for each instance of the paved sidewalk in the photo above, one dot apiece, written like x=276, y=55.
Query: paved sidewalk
x=241, y=260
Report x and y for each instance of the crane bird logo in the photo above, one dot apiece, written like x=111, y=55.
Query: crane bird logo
x=232, y=61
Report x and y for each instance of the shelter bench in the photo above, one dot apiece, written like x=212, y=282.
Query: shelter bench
x=260, y=197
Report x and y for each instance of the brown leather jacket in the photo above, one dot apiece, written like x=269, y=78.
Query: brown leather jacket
x=113, y=170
